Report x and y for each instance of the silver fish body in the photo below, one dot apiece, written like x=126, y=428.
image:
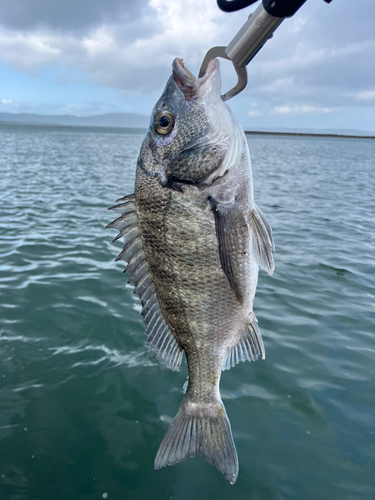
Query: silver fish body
x=193, y=241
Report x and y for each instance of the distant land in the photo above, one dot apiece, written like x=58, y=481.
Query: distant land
x=127, y=120
x=350, y=134
x=130, y=120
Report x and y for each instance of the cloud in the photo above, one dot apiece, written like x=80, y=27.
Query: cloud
x=297, y=24
x=324, y=64
x=27, y=52
x=69, y=16
x=82, y=109
x=277, y=85
x=13, y=105
x=125, y=53
x=130, y=45
x=319, y=60
x=366, y=95
x=143, y=60
x=288, y=110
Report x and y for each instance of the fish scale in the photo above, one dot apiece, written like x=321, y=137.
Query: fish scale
x=153, y=234
x=194, y=240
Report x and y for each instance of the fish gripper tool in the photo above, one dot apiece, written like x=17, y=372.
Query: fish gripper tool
x=259, y=28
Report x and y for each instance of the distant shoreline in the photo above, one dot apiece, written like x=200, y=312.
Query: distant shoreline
x=247, y=132
x=66, y=125
x=305, y=134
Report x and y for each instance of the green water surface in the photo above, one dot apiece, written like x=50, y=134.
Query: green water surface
x=84, y=403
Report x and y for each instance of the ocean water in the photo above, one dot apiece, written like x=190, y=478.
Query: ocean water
x=84, y=403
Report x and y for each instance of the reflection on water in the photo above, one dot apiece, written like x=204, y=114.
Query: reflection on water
x=85, y=403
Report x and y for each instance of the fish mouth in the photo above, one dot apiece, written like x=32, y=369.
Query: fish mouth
x=181, y=70
x=191, y=86
x=187, y=82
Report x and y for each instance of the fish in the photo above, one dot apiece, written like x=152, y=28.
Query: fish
x=194, y=240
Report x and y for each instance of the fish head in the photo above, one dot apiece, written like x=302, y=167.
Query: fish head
x=190, y=128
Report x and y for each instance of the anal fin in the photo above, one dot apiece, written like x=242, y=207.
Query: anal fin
x=248, y=348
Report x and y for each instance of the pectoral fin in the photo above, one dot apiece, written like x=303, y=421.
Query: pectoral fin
x=232, y=233
x=262, y=242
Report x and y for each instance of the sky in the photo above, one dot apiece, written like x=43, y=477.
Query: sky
x=87, y=57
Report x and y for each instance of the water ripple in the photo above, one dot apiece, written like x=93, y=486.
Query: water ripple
x=115, y=357
x=75, y=368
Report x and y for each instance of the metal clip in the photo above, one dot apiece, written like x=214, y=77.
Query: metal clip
x=241, y=71
x=245, y=45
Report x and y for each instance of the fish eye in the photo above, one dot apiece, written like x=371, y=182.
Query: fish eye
x=164, y=122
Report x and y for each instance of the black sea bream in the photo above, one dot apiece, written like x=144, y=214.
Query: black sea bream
x=194, y=240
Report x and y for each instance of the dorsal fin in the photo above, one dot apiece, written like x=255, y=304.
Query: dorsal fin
x=262, y=241
x=158, y=334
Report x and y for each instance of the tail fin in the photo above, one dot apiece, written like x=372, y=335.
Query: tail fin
x=210, y=436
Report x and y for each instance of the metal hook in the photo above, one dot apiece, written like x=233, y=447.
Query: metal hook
x=241, y=71
x=259, y=28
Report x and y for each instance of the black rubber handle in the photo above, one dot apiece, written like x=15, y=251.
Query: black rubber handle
x=282, y=8
x=232, y=5
x=277, y=8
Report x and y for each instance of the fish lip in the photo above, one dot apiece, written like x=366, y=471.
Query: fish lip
x=179, y=67
x=185, y=75
x=212, y=67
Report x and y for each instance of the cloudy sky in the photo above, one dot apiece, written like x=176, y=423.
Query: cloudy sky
x=87, y=57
